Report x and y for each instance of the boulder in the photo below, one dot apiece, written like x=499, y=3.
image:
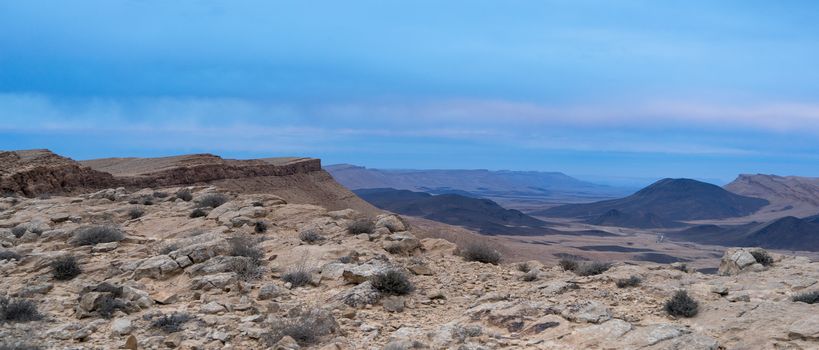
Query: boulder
x=393, y=304
x=401, y=243
x=104, y=247
x=361, y=273
x=215, y=281
x=269, y=291
x=391, y=222
x=158, y=267
x=738, y=260
x=121, y=326
x=200, y=252
x=212, y=308
x=360, y=295
x=589, y=311
x=807, y=328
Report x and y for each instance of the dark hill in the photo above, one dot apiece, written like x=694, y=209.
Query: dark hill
x=788, y=233
x=481, y=214
x=668, y=199
x=617, y=218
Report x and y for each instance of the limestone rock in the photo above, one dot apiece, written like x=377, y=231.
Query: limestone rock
x=215, y=281
x=401, y=243
x=158, y=267
x=589, y=311
x=212, y=308
x=393, y=304
x=121, y=326
x=807, y=328
x=104, y=247
x=392, y=222
x=737, y=260
x=361, y=273
x=360, y=295
x=269, y=291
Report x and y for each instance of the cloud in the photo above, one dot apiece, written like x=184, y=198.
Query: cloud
x=665, y=127
x=776, y=116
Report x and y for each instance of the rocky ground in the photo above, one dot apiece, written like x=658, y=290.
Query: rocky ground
x=231, y=279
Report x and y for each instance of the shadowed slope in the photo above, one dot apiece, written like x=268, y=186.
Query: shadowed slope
x=669, y=199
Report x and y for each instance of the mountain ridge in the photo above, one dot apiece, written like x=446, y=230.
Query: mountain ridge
x=669, y=199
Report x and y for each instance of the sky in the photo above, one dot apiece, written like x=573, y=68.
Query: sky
x=596, y=89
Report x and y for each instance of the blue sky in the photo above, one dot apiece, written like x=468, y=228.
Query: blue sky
x=647, y=89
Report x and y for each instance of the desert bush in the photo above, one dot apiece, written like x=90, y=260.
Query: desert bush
x=198, y=213
x=246, y=269
x=481, y=252
x=807, y=297
x=523, y=267
x=160, y=194
x=65, y=268
x=106, y=305
x=298, y=275
x=584, y=268
x=260, y=227
x=680, y=266
x=392, y=281
x=9, y=255
x=135, y=213
x=530, y=276
x=18, y=310
x=632, y=281
x=310, y=236
x=91, y=235
x=681, y=305
x=359, y=226
x=212, y=200
x=144, y=200
x=243, y=246
x=762, y=257
x=568, y=264
x=170, y=323
x=19, y=231
x=592, y=268
x=306, y=328
x=184, y=194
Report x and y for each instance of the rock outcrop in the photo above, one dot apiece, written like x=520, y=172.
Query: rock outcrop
x=214, y=281
x=36, y=172
x=33, y=173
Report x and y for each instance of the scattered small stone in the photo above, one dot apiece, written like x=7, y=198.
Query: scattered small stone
x=213, y=308
x=393, y=304
x=121, y=326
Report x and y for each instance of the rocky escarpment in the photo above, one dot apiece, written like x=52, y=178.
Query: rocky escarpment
x=254, y=271
x=197, y=169
x=36, y=172
x=300, y=180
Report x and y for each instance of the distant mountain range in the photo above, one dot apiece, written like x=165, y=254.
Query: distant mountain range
x=513, y=189
x=788, y=195
x=479, y=214
x=789, y=233
x=662, y=203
